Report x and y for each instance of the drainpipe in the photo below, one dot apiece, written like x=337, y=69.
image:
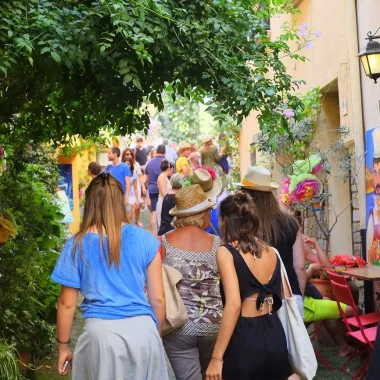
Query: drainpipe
x=357, y=121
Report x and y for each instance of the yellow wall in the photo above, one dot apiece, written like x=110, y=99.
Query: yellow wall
x=79, y=169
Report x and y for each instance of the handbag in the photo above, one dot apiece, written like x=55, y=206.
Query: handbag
x=301, y=352
x=176, y=314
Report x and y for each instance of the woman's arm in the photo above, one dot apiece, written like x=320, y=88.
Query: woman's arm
x=320, y=253
x=161, y=183
x=67, y=305
x=137, y=204
x=155, y=289
x=299, y=262
x=230, y=313
x=141, y=178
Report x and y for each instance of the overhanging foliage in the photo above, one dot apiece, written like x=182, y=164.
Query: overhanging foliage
x=73, y=67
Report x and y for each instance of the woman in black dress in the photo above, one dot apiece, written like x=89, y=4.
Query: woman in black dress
x=251, y=343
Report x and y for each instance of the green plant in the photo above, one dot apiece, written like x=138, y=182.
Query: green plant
x=27, y=296
x=9, y=369
x=73, y=68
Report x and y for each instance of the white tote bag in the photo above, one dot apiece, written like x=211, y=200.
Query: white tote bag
x=301, y=352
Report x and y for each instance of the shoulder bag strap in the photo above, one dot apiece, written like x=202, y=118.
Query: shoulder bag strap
x=214, y=229
x=284, y=274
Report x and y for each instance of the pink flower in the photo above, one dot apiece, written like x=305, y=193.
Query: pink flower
x=307, y=189
x=288, y=113
x=317, y=168
x=1, y=152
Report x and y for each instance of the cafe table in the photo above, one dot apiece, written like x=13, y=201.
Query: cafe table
x=368, y=274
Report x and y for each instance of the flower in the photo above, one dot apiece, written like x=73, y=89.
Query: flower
x=305, y=187
x=318, y=34
x=317, y=168
x=309, y=45
x=288, y=113
x=303, y=32
x=1, y=153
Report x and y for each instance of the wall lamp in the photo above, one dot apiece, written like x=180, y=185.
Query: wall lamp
x=370, y=56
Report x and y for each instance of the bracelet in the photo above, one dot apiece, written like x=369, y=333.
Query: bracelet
x=214, y=357
x=60, y=342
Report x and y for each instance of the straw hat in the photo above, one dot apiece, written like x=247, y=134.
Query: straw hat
x=259, y=179
x=211, y=187
x=208, y=138
x=176, y=180
x=190, y=200
x=185, y=145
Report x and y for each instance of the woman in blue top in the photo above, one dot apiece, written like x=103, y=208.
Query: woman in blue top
x=110, y=262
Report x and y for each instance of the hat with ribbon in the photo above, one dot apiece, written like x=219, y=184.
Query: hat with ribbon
x=190, y=200
x=203, y=178
x=258, y=178
x=185, y=145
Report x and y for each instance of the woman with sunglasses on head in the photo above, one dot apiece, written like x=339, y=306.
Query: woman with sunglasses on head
x=251, y=343
x=141, y=190
x=111, y=262
x=164, y=186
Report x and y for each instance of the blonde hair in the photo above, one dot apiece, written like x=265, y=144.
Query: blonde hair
x=196, y=220
x=103, y=209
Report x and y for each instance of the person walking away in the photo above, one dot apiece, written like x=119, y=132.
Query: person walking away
x=170, y=154
x=191, y=250
x=168, y=203
x=120, y=171
x=163, y=183
x=110, y=261
x=152, y=171
x=134, y=201
x=251, y=343
x=182, y=164
x=278, y=228
x=209, y=153
x=141, y=190
x=94, y=169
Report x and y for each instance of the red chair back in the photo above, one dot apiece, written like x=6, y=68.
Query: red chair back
x=343, y=295
x=337, y=277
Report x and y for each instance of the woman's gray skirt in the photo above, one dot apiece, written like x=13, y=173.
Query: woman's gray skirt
x=122, y=349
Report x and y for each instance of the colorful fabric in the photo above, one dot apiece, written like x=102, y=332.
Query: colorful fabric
x=199, y=288
x=318, y=310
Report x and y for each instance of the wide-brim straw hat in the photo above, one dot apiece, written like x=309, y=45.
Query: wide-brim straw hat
x=208, y=138
x=184, y=146
x=257, y=178
x=190, y=200
x=211, y=187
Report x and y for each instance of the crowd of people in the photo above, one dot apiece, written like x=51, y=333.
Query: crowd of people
x=227, y=249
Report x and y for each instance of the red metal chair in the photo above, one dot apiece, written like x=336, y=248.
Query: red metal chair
x=366, y=336
x=365, y=319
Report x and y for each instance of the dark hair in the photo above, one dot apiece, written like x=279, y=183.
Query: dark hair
x=165, y=165
x=165, y=141
x=94, y=168
x=240, y=223
x=274, y=222
x=128, y=150
x=115, y=149
x=130, y=160
x=161, y=149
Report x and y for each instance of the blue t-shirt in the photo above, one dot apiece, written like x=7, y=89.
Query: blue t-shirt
x=109, y=293
x=119, y=172
x=153, y=170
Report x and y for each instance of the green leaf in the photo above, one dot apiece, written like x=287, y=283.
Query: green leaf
x=136, y=83
x=10, y=33
x=30, y=59
x=45, y=49
x=56, y=56
x=127, y=78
